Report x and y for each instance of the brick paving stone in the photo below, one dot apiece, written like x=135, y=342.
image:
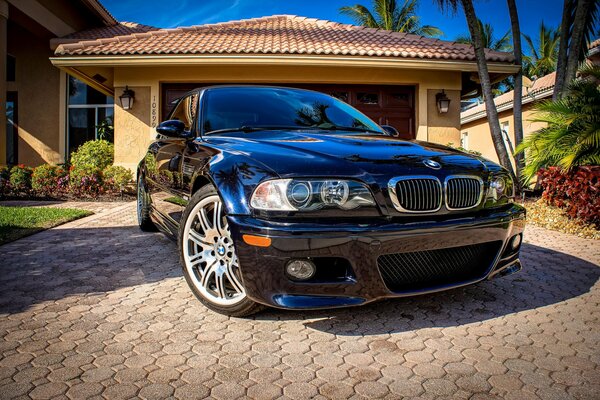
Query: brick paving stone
x=116, y=320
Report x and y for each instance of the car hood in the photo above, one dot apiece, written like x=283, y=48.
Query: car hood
x=371, y=158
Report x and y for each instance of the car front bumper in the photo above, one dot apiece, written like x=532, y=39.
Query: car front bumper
x=360, y=245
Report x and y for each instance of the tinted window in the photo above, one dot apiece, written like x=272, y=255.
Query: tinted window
x=231, y=108
x=186, y=110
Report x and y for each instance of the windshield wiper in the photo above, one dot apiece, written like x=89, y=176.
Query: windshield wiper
x=252, y=128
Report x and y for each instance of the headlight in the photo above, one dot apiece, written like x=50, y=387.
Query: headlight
x=310, y=195
x=500, y=187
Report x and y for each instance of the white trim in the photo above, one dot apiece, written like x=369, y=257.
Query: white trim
x=289, y=59
x=528, y=98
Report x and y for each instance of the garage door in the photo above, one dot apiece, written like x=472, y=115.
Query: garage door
x=386, y=105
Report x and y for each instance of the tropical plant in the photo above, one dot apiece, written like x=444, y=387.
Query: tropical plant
x=45, y=179
x=94, y=154
x=578, y=24
x=105, y=129
x=484, y=77
x=117, y=177
x=543, y=54
x=20, y=178
x=389, y=15
x=572, y=135
x=488, y=40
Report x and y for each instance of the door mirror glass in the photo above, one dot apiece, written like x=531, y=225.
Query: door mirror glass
x=172, y=128
x=390, y=130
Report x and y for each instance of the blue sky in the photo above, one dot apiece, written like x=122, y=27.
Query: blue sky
x=167, y=14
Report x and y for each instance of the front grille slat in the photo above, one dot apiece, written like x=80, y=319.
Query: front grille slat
x=463, y=192
x=426, y=269
x=416, y=194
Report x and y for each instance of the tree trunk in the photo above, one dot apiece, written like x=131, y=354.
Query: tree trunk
x=486, y=86
x=518, y=90
x=577, y=38
x=561, y=64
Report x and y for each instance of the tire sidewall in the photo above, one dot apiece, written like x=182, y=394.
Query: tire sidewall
x=245, y=306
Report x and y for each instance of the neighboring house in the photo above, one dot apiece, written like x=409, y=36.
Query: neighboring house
x=474, y=128
x=392, y=77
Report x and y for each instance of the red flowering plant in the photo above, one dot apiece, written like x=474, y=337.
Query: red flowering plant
x=577, y=191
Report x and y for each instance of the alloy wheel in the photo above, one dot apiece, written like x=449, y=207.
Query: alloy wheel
x=209, y=254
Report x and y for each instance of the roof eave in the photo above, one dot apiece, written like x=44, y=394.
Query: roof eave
x=278, y=59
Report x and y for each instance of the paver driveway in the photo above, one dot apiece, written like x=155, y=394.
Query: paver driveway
x=98, y=308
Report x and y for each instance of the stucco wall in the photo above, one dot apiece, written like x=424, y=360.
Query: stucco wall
x=443, y=128
x=135, y=131
x=480, y=137
x=38, y=84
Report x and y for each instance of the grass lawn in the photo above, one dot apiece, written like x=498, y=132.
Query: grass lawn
x=17, y=222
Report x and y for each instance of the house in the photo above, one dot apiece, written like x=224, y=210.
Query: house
x=474, y=128
x=34, y=115
x=394, y=78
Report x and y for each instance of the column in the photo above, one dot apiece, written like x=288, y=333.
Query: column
x=3, y=44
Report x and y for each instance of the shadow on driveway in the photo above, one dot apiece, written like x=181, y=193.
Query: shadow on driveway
x=548, y=277
x=63, y=262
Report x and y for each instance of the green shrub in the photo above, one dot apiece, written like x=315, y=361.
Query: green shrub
x=86, y=185
x=4, y=179
x=44, y=179
x=93, y=155
x=117, y=177
x=20, y=178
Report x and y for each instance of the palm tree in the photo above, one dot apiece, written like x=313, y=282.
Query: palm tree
x=487, y=38
x=578, y=25
x=543, y=56
x=518, y=83
x=572, y=134
x=388, y=15
x=484, y=77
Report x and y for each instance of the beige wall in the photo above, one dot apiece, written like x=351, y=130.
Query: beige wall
x=134, y=130
x=443, y=128
x=480, y=137
x=38, y=84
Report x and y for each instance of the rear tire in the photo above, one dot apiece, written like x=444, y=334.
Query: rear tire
x=143, y=208
x=208, y=258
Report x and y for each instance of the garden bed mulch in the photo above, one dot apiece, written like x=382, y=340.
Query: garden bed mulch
x=545, y=216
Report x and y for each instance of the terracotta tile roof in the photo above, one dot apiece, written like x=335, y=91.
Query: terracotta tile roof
x=279, y=34
x=594, y=44
x=540, y=90
x=120, y=29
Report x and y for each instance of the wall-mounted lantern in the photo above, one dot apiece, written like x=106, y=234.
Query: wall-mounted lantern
x=443, y=102
x=127, y=99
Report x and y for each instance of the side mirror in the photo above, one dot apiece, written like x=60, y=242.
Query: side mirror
x=172, y=128
x=390, y=130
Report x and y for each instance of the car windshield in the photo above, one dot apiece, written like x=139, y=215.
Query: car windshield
x=233, y=108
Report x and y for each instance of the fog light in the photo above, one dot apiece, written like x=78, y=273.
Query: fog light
x=300, y=270
x=515, y=242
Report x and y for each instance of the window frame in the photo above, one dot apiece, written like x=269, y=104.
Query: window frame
x=94, y=106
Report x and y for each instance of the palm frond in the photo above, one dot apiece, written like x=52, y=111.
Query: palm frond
x=571, y=136
x=361, y=15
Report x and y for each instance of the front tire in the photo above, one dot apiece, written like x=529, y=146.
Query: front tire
x=208, y=257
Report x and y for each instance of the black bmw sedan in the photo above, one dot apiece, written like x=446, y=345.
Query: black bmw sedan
x=293, y=199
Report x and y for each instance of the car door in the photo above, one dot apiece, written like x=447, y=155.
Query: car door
x=166, y=183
